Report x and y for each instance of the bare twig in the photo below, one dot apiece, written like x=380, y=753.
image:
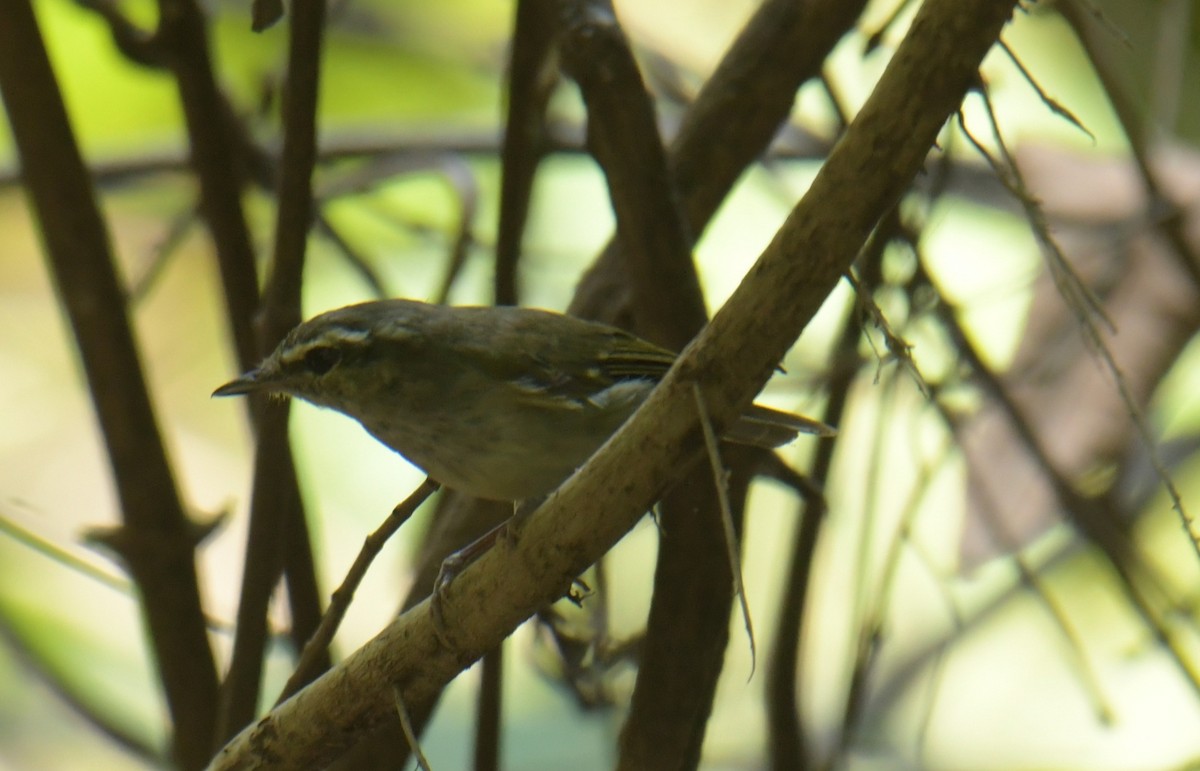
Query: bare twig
x=177, y=231
x=1052, y=104
x=462, y=179
x=899, y=349
x=1134, y=126
x=721, y=480
x=406, y=725
x=315, y=650
x=1087, y=309
x=1096, y=518
x=357, y=261
x=137, y=45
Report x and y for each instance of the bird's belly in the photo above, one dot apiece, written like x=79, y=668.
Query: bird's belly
x=522, y=454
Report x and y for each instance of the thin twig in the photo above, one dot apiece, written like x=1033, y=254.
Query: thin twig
x=1052, y=104
x=406, y=725
x=53, y=551
x=876, y=37
x=1073, y=289
x=461, y=179
x=874, y=617
x=721, y=479
x=1129, y=114
x=160, y=256
x=1094, y=517
x=1074, y=641
x=323, y=225
x=897, y=347
x=339, y=603
x=1087, y=310
x=1101, y=18
x=137, y=45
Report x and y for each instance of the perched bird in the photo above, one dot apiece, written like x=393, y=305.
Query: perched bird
x=497, y=402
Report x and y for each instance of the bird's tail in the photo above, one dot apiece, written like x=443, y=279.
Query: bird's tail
x=764, y=427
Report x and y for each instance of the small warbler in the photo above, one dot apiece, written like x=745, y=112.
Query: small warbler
x=496, y=402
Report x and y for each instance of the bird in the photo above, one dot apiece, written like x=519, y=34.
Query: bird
x=498, y=402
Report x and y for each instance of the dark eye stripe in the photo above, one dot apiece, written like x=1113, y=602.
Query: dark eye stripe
x=321, y=360
x=335, y=337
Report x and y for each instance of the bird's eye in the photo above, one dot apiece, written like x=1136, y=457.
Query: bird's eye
x=321, y=359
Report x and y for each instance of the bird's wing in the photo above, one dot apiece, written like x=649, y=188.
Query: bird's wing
x=633, y=358
x=584, y=366
x=560, y=356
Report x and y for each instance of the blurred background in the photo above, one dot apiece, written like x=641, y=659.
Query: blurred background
x=1001, y=578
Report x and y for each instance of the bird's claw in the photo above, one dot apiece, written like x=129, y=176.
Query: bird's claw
x=507, y=532
x=578, y=592
x=449, y=570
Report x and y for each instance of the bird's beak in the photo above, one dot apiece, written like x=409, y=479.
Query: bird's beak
x=248, y=383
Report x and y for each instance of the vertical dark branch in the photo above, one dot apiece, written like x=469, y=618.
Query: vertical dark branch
x=689, y=614
x=622, y=134
x=532, y=75
x=223, y=159
x=298, y=159
x=732, y=120
x=786, y=743
x=488, y=727
x=272, y=510
x=214, y=139
x=783, y=45
x=750, y=95
x=155, y=538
